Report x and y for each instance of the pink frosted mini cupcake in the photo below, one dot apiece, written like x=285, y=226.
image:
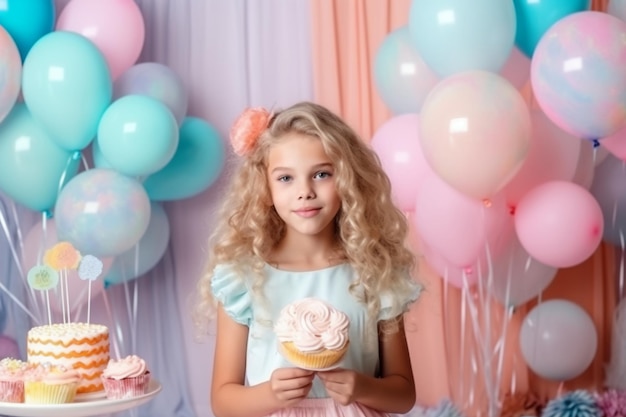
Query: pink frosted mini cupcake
x=50, y=384
x=12, y=373
x=126, y=378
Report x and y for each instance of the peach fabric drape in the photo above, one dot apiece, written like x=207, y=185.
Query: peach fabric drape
x=447, y=357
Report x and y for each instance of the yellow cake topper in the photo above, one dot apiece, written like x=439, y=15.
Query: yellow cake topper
x=63, y=255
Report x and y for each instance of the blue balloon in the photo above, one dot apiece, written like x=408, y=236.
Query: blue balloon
x=146, y=147
x=197, y=163
x=67, y=86
x=454, y=36
x=534, y=18
x=402, y=78
x=27, y=21
x=146, y=253
x=33, y=168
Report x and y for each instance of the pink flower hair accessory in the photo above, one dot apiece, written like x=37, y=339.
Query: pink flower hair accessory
x=248, y=128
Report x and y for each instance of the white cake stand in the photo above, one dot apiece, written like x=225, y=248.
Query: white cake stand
x=80, y=408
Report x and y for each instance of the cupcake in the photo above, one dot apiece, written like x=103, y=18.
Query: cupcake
x=50, y=384
x=12, y=372
x=126, y=378
x=312, y=334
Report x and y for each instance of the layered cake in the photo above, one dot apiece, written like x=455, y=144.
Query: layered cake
x=312, y=334
x=80, y=346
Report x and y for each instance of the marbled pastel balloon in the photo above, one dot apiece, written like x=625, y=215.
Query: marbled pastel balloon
x=578, y=76
x=10, y=73
x=102, y=212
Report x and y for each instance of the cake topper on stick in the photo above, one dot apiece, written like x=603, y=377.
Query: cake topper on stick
x=89, y=269
x=63, y=257
x=43, y=278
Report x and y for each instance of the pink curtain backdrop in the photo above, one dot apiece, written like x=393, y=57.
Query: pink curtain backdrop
x=346, y=36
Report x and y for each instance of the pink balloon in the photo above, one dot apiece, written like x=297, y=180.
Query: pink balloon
x=516, y=69
x=459, y=227
x=558, y=340
x=475, y=132
x=518, y=277
x=559, y=223
x=553, y=155
x=116, y=27
x=397, y=145
x=36, y=242
x=450, y=273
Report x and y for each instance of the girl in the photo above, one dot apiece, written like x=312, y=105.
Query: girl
x=309, y=214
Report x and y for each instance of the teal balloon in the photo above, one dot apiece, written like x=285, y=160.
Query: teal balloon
x=534, y=18
x=33, y=168
x=146, y=253
x=27, y=21
x=454, y=36
x=137, y=135
x=197, y=163
x=67, y=86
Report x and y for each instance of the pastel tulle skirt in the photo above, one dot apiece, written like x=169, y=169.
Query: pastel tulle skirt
x=327, y=407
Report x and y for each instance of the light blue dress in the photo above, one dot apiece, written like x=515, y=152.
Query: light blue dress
x=283, y=287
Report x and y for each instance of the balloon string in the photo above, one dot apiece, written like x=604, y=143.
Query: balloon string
x=18, y=302
x=72, y=158
x=7, y=233
x=135, y=297
x=118, y=337
x=129, y=314
x=135, y=305
x=18, y=229
x=18, y=265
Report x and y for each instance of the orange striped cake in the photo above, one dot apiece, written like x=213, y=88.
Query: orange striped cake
x=82, y=346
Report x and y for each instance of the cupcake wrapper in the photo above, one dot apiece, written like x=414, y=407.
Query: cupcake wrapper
x=117, y=389
x=42, y=393
x=315, y=360
x=12, y=391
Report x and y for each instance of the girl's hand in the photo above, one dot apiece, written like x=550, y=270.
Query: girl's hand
x=341, y=384
x=291, y=385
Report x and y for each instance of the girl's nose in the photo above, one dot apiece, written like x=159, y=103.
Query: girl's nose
x=306, y=192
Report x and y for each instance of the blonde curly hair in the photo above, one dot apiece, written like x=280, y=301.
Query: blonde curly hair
x=371, y=231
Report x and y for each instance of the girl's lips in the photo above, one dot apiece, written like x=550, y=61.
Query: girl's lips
x=307, y=212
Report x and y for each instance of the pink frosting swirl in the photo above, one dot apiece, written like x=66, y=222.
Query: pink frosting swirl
x=312, y=325
x=129, y=367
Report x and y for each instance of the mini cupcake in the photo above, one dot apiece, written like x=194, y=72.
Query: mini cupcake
x=126, y=378
x=12, y=372
x=50, y=384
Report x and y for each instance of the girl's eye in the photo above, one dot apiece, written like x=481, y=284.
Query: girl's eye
x=322, y=175
x=284, y=178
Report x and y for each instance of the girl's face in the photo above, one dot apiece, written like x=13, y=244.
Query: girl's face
x=302, y=185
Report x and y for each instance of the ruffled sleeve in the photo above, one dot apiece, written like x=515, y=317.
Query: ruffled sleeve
x=231, y=291
x=395, y=303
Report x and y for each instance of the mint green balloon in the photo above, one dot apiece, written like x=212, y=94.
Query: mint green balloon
x=197, y=163
x=33, y=167
x=137, y=135
x=67, y=86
